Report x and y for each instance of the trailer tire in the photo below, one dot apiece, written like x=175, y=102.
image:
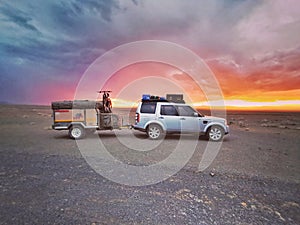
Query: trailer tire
x=76, y=132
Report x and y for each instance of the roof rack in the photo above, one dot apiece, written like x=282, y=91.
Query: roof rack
x=176, y=98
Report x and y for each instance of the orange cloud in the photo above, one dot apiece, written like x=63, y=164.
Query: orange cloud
x=259, y=84
x=242, y=89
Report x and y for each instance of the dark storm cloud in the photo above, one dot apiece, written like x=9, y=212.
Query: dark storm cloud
x=61, y=32
x=102, y=7
x=57, y=40
x=16, y=16
x=60, y=28
x=49, y=40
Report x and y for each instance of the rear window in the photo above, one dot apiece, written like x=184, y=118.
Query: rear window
x=168, y=110
x=148, y=107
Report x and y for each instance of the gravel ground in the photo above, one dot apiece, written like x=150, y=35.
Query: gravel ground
x=45, y=180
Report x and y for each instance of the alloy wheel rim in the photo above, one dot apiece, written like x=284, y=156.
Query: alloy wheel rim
x=76, y=132
x=215, y=134
x=154, y=132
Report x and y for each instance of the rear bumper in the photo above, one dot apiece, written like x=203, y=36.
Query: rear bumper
x=138, y=128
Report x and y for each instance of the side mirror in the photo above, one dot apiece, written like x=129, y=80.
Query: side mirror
x=195, y=114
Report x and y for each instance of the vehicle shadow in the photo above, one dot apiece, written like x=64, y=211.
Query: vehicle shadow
x=62, y=136
x=173, y=137
x=139, y=135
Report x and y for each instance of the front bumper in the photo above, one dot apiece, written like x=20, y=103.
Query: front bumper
x=227, y=129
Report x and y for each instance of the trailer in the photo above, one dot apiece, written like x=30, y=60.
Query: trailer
x=83, y=116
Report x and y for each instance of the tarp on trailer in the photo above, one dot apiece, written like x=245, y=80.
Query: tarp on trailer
x=77, y=104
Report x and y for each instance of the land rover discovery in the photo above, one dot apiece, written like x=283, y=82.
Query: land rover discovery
x=158, y=116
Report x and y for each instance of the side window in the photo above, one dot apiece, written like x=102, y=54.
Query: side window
x=185, y=111
x=148, y=107
x=168, y=110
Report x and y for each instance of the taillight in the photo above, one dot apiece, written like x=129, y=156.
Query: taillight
x=137, y=117
x=62, y=110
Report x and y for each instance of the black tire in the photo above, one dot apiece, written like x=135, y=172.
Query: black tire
x=76, y=132
x=215, y=133
x=155, y=132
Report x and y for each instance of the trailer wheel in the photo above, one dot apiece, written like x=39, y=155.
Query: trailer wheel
x=76, y=132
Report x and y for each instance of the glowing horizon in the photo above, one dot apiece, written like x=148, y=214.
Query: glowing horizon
x=289, y=105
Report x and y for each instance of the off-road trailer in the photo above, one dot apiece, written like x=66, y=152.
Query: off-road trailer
x=82, y=116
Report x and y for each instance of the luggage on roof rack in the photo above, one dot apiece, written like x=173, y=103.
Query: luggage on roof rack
x=176, y=98
x=153, y=98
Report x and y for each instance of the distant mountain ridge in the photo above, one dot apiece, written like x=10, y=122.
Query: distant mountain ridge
x=5, y=103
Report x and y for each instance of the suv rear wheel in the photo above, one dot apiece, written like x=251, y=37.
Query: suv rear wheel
x=215, y=133
x=154, y=131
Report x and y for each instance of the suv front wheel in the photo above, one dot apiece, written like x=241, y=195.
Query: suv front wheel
x=215, y=133
x=154, y=131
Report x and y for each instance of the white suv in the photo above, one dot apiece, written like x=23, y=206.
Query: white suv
x=159, y=116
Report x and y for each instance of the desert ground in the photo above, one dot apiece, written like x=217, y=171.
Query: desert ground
x=44, y=179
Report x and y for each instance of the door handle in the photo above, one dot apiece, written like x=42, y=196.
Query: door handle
x=161, y=117
x=182, y=118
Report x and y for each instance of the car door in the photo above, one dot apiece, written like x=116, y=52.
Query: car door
x=190, y=120
x=169, y=117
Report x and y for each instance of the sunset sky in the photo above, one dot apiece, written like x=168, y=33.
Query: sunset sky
x=251, y=46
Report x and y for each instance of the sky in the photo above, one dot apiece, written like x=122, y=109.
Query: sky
x=251, y=46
